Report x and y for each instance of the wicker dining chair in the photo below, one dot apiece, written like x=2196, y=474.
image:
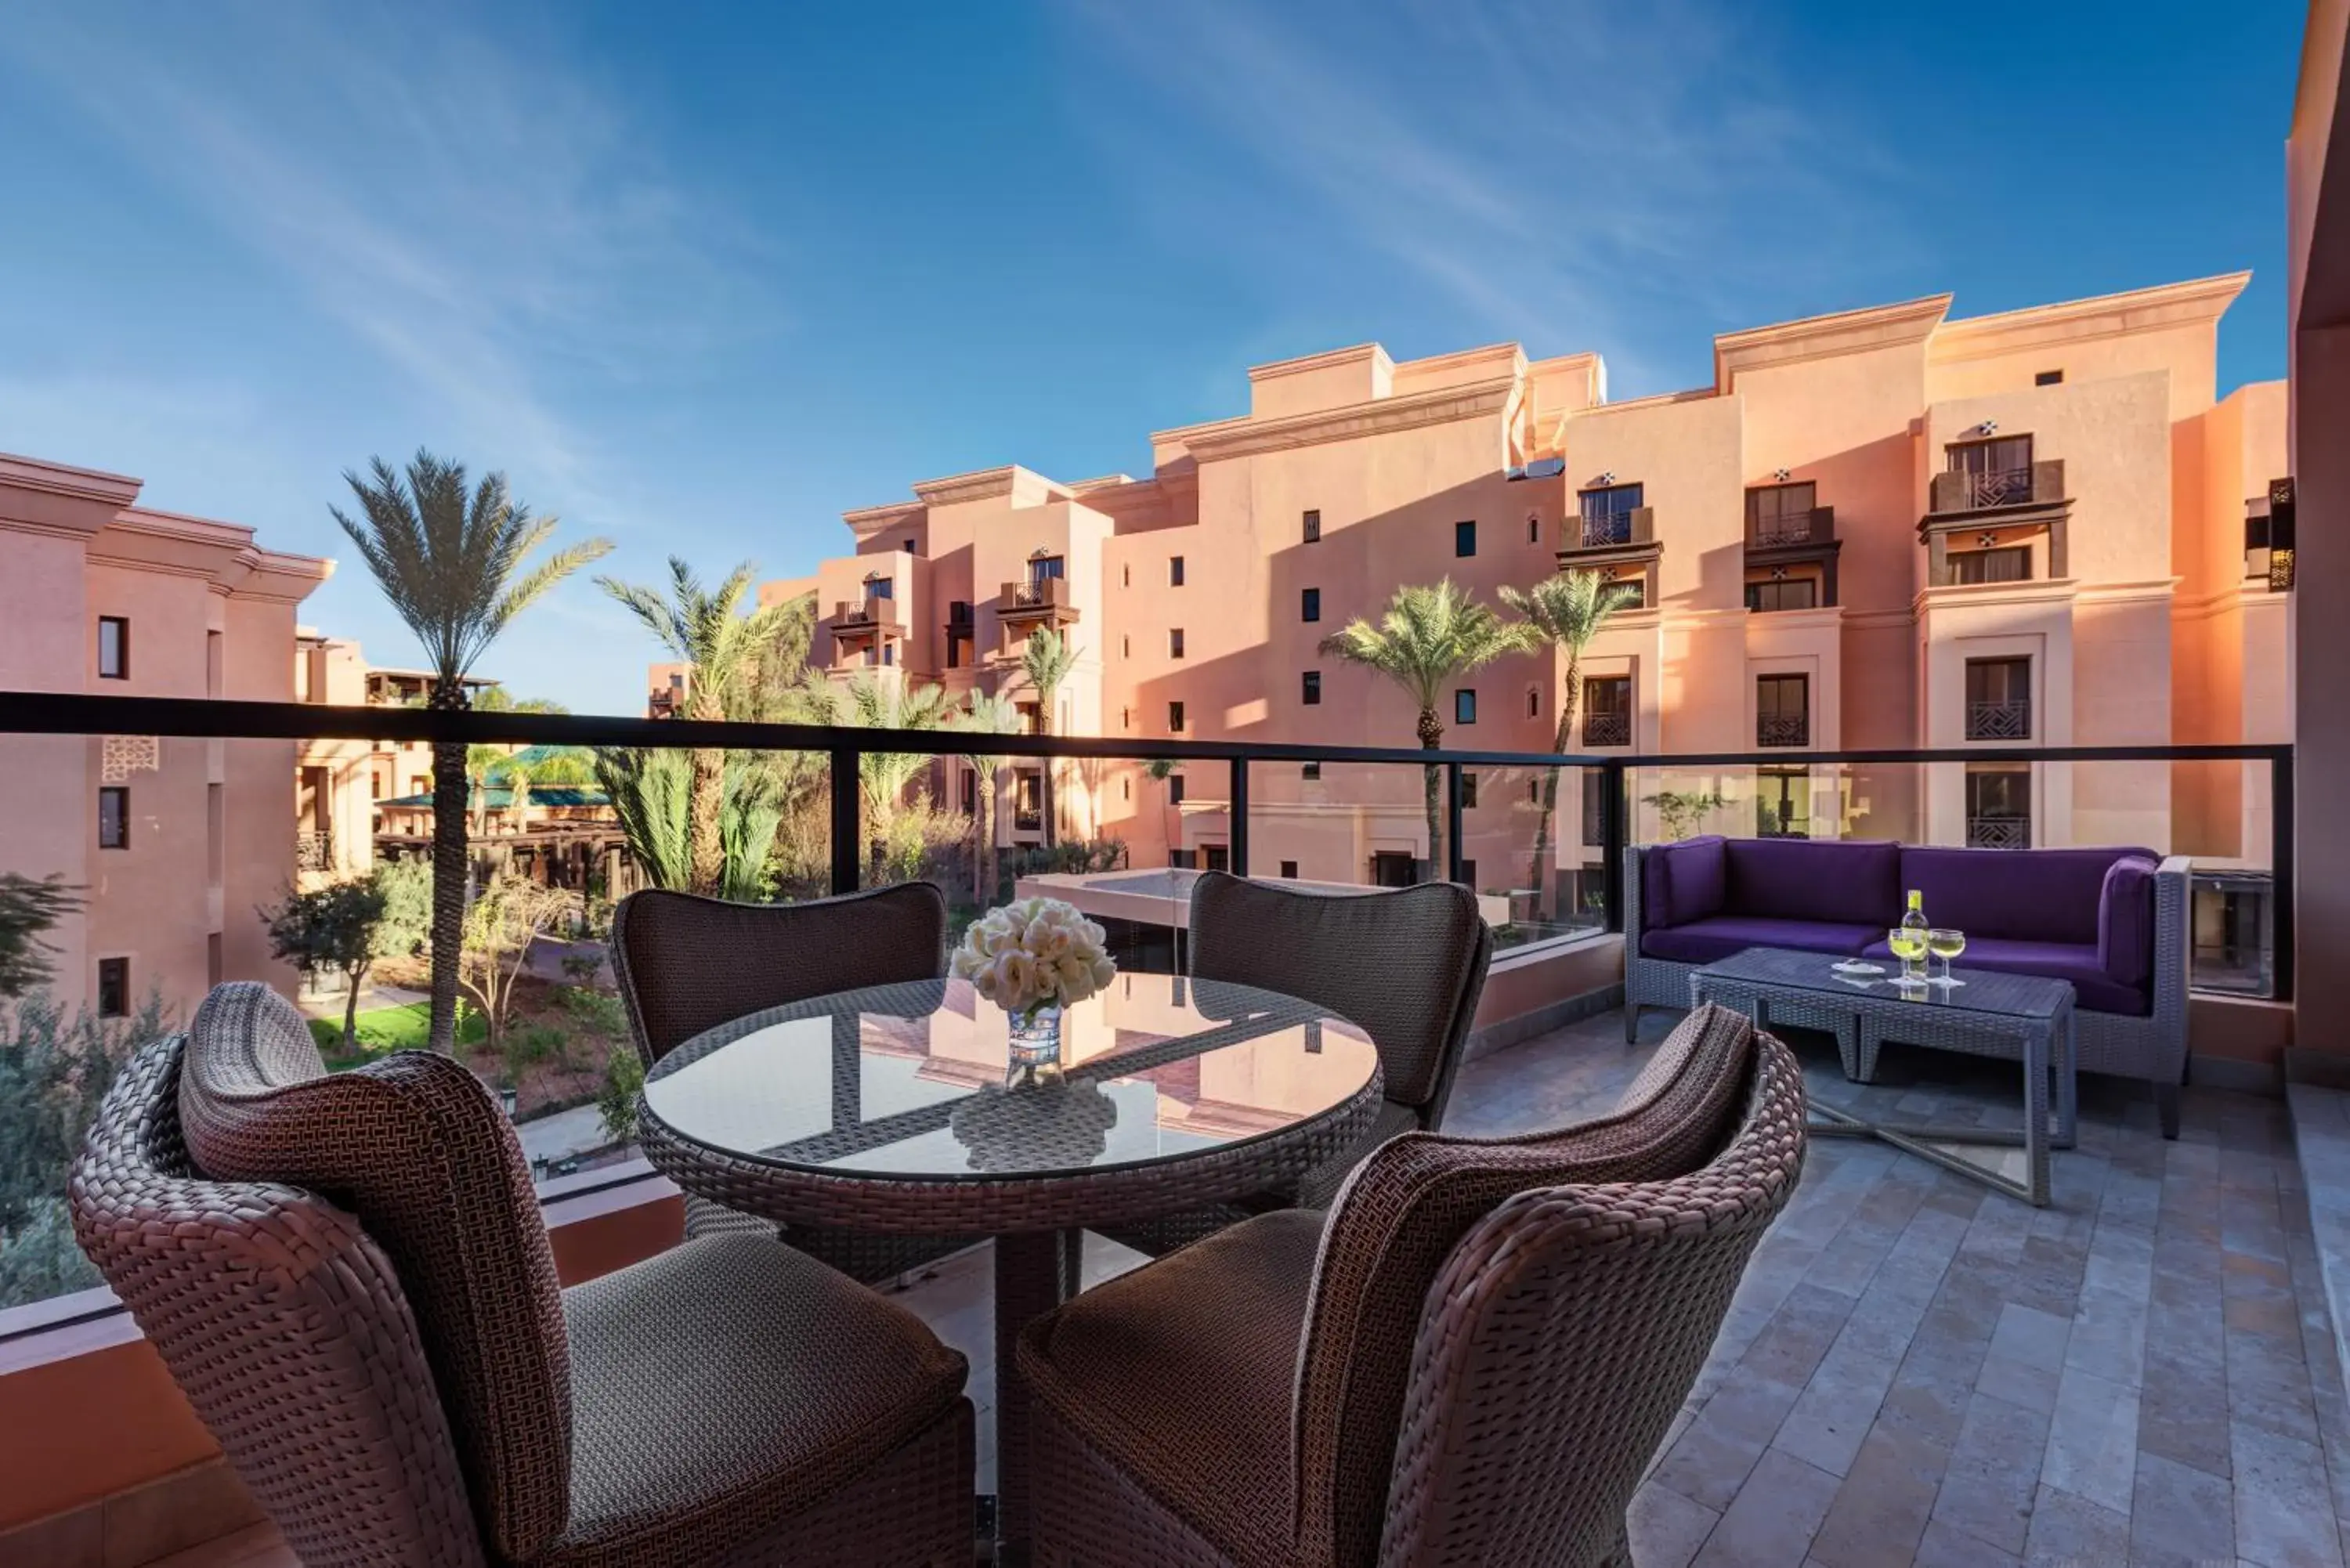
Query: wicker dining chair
x=686, y=964
x=1406, y=964
x=347, y=1276
x=1470, y=1361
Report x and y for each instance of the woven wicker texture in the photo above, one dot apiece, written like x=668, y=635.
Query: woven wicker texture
x=686, y=964
x=727, y=1385
x=1342, y=1391
x=1563, y=1336
x=285, y=1326
x=415, y=1147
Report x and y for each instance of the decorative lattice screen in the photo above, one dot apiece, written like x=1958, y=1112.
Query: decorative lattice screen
x=123, y=755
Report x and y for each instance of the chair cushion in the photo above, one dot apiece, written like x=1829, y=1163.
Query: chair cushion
x=1182, y=1373
x=723, y=1387
x=2022, y=895
x=2125, y=920
x=414, y=1145
x=1844, y=882
x=1683, y=881
x=2092, y=988
x=1707, y=941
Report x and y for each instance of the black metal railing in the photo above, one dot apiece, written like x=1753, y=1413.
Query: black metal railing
x=1995, y=486
x=77, y=713
x=1602, y=529
x=1788, y=528
x=1607, y=729
x=314, y=852
x=2008, y=721
x=1999, y=832
x=1782, y=730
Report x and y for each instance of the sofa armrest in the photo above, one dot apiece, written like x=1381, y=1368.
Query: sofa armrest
x=2172, y=937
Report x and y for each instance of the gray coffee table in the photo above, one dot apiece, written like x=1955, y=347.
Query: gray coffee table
x=1981, y=1016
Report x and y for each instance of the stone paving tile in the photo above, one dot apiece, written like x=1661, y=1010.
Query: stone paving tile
x=2072, y=1530
x=1993, y=1477
x=2180, y=1514
x=1883, y=1507
x=2093, y=1441
x=1666, y=1528
x=2284, y=1506
x=1774, y=1517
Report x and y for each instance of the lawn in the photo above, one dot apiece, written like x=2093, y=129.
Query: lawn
x=382, y=1028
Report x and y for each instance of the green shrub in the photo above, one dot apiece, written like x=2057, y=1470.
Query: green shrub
x=615, y=1102
x=594, y=1010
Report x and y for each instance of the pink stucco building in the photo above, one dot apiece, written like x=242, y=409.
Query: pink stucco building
x=1881, y=528
x=173, y=842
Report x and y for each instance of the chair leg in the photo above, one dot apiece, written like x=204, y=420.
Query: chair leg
x=2166, y=1108
x=1632, y=1010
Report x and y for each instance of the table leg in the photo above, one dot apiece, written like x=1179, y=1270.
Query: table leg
x=1030, y=1280
x=2036, y=1054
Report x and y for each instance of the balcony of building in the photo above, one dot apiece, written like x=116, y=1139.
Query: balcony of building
x=1040, y=602
x=867, y=630
x=1991, y=493
x=1613, y=531
x=1790, y=548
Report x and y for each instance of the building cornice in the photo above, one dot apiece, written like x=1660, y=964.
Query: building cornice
x=1510, y=358
x=2151, y=590
x=1977, y=596
x=1823, y=337
x=985, y=485
x=1409, y=411
x=117, y=489
x=1305, y=364
x=2197, y=302
x=867, y=520
x=1874, y=619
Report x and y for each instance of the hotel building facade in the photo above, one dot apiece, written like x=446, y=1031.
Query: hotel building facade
x=1879, y=529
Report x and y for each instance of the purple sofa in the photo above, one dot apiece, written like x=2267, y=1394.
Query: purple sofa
x=2112, y=921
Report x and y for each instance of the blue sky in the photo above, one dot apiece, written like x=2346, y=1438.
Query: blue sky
x=701, y=278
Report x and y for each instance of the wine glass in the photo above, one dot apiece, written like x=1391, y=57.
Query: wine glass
x=1909, y=945
x=1947, y=945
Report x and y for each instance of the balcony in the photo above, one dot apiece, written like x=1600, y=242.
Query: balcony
x=1043, y=602
x=1999, y=832
x=876, y=614
x=1610, y=541
x=314, y=852
x=2001, y=502
x=1806, y=538
x=1607, y=729
x=1777, y=730
x=2005, y=720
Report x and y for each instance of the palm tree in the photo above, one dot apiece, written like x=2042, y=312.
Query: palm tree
x=1565, y=611
x=485, y=764
x=451, y=562
x=651, y=790
x=1048, y=661
x=721, y=648
x=987, y=713
x=1429, y=637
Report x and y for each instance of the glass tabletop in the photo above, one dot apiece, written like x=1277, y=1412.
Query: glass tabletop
x=1979, y=990
x=916, y=1080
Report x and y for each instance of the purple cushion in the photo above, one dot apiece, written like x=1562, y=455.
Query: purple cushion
x=2018, y=894
x=2126, y=921
x=1848, y=882
x=1704, y=941
x=1681, y=882
x=2092, y=988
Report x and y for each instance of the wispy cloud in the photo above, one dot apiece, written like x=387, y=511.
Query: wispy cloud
x=1568, y=172
x=478, y=212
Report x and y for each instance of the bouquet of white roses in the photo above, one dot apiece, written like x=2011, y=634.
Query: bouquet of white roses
x=1034, y=953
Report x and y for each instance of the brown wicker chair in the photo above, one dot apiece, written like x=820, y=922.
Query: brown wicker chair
x=1471, y=1361
x=686, y=964
x=347, y=1277
x=1406, y=964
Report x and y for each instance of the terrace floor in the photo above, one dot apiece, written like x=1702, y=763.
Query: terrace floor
x=1919, y=1371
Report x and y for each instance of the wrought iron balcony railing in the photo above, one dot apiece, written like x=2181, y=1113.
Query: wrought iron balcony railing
x=1606, y=528
x=1607, y=729
x=1999, y=832
x=1783, y=730
x=2009, y=720
x=314, y=852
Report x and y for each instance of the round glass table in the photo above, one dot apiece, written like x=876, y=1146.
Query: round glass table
x=897, y=1110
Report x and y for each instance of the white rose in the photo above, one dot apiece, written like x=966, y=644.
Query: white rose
x=1015, y=979
x=1076, y=977
x=1103, y=971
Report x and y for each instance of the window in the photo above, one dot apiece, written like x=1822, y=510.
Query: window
x=1467, y=877
x=1468, y=790
x=1595, y=812
x=1312, y=528
x=1533, y=529
x=1125, y=718
x=1999, y=698
x=1465, y=538
x=1782, y=803
x=1783, y=705
x=1313, y=688
x=1998, y=472
x=114, y=988
x=1999, y=807
x=113, y=816
x=1608, y=513
x=1464, y=707
x=1607, y=711
x=1126, y=647
x=1182, y=861
x=1533, y=702
x=1289, y=869
x=2008, y=564
x=1782, y=594
x=1125, y=576
x=1311, y=772
x=2049, y=378
x=1393, y=869
x=1028, y=801
x=1174, y=571
x=958, y=612
x=1780, y=513
x=1174, y=718
x=889, y=653
x=1175, y=642
x=1126, y=789
x=375, y=784
x=1309, y=605
x=1043, y=566
x=1174, y=789
x=970, y=792
x=1219, y=856
x=113, y=647
x=1032, y=718
x=910, y=548
x=880, y=588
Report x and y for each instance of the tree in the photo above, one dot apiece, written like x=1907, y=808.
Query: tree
x=333, y=928
x=1049, y=659
x=721, y=650
x=489, y=767
x=865, y=704
x=1684, y=810
x=650, y=792
x=451, y=562
x=28, y=907
x=1566, y=611
x=506, y=919
x=406, y=884
x=987, y=713
x=1427, y=638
